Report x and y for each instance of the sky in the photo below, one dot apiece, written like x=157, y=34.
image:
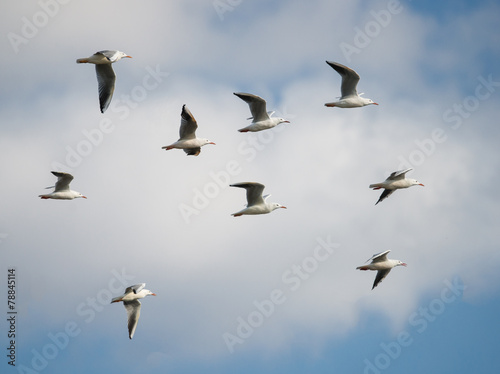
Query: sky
x=276, y=293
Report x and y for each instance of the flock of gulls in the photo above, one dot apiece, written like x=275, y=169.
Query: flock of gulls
x=191, y=144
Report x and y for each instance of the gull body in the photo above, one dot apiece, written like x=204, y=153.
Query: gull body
x=261, y=119
x=105, y=75
x=349, y=95
x=382, y=265
x=187, y=135
x=132, y=304
x=256, y=203
x=61, y=189
x=393, y=182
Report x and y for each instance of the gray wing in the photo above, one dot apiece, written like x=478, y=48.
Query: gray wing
x=63, y=181
x=257, y=105
x=106, y=78
x=188, y=124
x=398, y=174
x=133, y=312
x=381, y=274
x=135, y=288
x=192, y=151
x=384, y=195
x=110, y=55
x=350, y=79
x=254, y=192
x=379, y=257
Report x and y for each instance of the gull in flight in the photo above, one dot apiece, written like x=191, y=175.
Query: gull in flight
x=61, y=189
x=105, y=75
x=187, y=133
x=132, y=304
x=261, y=120
x=256, y=202
x=393, y=182
x=349, y=96
x=382, y=264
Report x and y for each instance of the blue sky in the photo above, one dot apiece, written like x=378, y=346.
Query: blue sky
x=165, y=219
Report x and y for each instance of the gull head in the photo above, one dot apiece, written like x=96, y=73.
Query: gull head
x=122, y=55
x=206, y=141
x=148, y=292
x=282, y=120
x=368, y=101
x=275, y=206
x=415, y=182
x=78, y=194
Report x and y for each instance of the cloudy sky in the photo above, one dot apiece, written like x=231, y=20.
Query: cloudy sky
x=276, y=293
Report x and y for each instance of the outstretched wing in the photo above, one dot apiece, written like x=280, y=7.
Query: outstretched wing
x=384, y=195
x=257, y=105
x=188, y=124
x=254, y=192
x=381, y=274
x=106, y=79
x=133, y=308
x=350, y=79
x=63, y=181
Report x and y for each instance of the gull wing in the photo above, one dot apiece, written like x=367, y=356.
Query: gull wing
x=133, y=308
x=110, y=55
x=106, y=79
x=254, y=192
x=135, y=288
x=398, y=174
x=257, y=105
x=350, y=79
x=379, y=257
x=188, y=125
x=381, y=274
x=384, y=195
x=63, y=181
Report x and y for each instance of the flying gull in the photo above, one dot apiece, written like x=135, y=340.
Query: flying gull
x=187, y=132
x=132, y=304
x=256, y=204
x=105, y=75
x=61, y=189
x=395, y=181
x=349, y=96
x=261, y=120
x=382, y=264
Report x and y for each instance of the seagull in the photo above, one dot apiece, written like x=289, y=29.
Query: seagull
x=132, y=304
x=256, y=202
x=105, y=75
x=61, y=189
x=261, y=120
x=393, y=182
x=187, y=132
x=382, y=264
x=350, y=97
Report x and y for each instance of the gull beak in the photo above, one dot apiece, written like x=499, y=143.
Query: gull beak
x=84, y=197
x=286, y=121
x=128, y=56
x=375, y=103
x=420, y=184
x=212, y=143
x=153, y=294
x=403, y=264
x=284, y=207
